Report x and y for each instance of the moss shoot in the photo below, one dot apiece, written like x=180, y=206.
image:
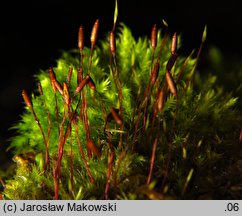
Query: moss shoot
x=127, y=119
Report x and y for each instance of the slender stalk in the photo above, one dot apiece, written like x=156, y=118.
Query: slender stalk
x=121, y=157
x=57, y=112
x=152, y=160
x=109, y=172
x=48, y=118
x=191, y=78
x=91, y=148
x=56, y=180
x=60, y=146
x=29, y=104
x=71, y=165
x=136, y=130
x=158, y=106
x=179, y=75
x=83, y=155
x=152, y=79
x=116, y=77
x=61, y=143
x=117, y=81
x=150, y=85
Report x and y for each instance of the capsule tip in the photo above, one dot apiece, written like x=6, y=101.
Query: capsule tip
x=27, y=99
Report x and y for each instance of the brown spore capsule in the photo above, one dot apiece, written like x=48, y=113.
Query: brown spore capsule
x=160, y=100
x=82, y=84
x=171, y=83
x=91, y=84
x=81, y=38
x=52, y=79
x=112, y=42
x=27, y=99
x=116, y=116
x=174, y=44
x=79, y=75
x=69, y=75
x=54, y=83
x=59, y=87
x=153, y=37
x=94, y=33
x=66, y=94
x=92, y=149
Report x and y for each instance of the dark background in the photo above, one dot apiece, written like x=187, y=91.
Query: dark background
x=33, y=34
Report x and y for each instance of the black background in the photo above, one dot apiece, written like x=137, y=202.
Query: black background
x=32, y=34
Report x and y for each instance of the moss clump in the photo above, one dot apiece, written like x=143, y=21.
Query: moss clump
x=131, y=122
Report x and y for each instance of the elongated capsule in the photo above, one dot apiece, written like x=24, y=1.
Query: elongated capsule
x=110, y=116
x=91, y=84
x=66, y=94
x=174, y=44
x=112, y=42
x=171, y=62
x=69, y=75
x=52, y=79
x=116, y=116
x=82, y=84
x=81, y=38
x=94, y=33
x=155, y=73
x=54, y=83
x=153, y=37
x=92, y=149
x=79, y=75
x=160, y=100
x=27, y=99
x=171, y=83
x=59, y=87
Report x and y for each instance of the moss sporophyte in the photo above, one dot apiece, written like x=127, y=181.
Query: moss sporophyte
x=126, y=119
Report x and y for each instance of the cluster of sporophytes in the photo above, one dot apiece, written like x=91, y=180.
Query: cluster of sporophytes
x=127, y=119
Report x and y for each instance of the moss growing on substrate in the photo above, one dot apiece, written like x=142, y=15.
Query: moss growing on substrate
x=127, y=119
